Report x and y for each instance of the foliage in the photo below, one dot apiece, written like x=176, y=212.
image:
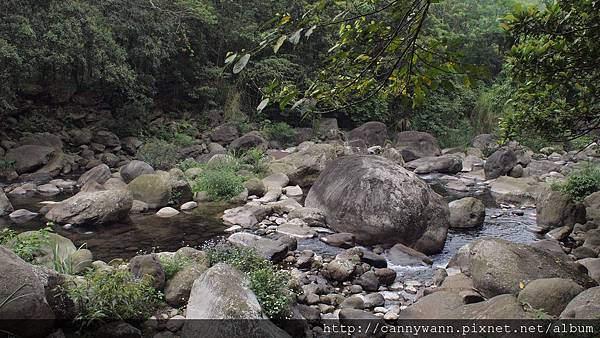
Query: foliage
x=158, y=153
x=173, y=264
x=6, y=235
x=581, y=183
x=25, y=247
x=255, y=159
x=270, y=285
x=115, y=295
x=220, y=182
x=6, y=165
x=554, y=62
x=181, y=132
x=189, y=163
x=278, y=131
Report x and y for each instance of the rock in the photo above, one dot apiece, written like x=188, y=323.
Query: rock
x=592, y=207
x=138, y=207
x=296, y=228
x=516, y=171
x=342, y=240
x=414, y=145
x=498, y=266
x=29, y=298
x=467, y=212
x=559, y=234
x=339, y=270
x=347, y=316
x=148, y=266
x=380, y=202
x=114, y=184
x=500, y=163
x=585, y=305
x=304, y=166
x=118, y=329
x=499, y=307
x=402, y=255
x=272, y=250
x=131, y=144
x=275, y=181
x=42, y=139
x=5, y=205
x=327, y=128
x=556, y=209
x=471, y=163
x=540, y=167
x=134, y=169
x=437, y=305
x=518, y=191
x=550, y=246
x=373, y=300
x=247, y=215
x=255, y=187
x=386, y=276
x=178, y=288
x=80, y=260
x=223, y=292
x=248, y=141
x=550, y=294
x=311, y=216
x=284, y=206
x=368, y=281
x=373, y=133
x=153, y=189
x=353, y=302
x=485, y=142
x=294, y=192
x=110, y=159
x=167, y=212
x=99, y=174
x=55, y=249
x=48, y=189
x=373, y=259
x=188, y=206
x=107, y=138
x=224, y=133
x=593, y=267
x=22, y=216
x=450, y=164
x=29, y=158
x=92, y=208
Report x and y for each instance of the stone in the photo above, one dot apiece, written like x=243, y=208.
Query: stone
x=304, y=166
x=248, y=141
x=549, y=294
x=368, y=281
x=386, y=276
x=167, y=212
x=585, y=305
x=276, y=181
x=485, y=142
x=339, y=270
x=402, y=255
x=305, y=259
x=109, y=159
x=353, y=302
x=342, y=240
x=500, y=163
x=373, y=133
x=114, y=184
x=311, y=216
x=48, y=189
x=519, y=191
x=131, y=144
x=153, y=189
x=29, y=298
x=29, y=158
x=134, y=169
x=394, y=206
x=178, y=287
x=592, y=207
x=80, y=260
x=138, y=207
x=247, y=215
x=373, y=259
x=225, y=133
x=270, y=249
x=516, y=171
x=106, y=138
x=297, y=228
x=99, y=174
x=556, y=209
x=188, y=206
x=448, y=164
x=471, y=163
x=415, y=144
x=559, y=234
x=118, y=329
x=593, y=267
x=497, y=266
x=5, y=205
x=22, y=216
x=467, y=212
x=349, y=316
x=374, y=300
x=255, y=187
x=498, y=307
x=148, y=266
x=294, y=192
x=92, y=208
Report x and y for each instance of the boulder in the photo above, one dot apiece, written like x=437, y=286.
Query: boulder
x=498, y=307
x=92, y=208
x=593, y=267
x=42, y=139
x=467, y=212
x=106, y=138
x=498, y=266
x=22, y=216
x=178, y=288
x=520, y=191
x=255, y=187
x=134, y=169
x=270, y=249
x=373, y=133
x=153, y=189
x=247, y=215
x=415, y=144
x=148, y=266
x=592, y=207
x=276, y=180
x=248, y=141
x=485, y=142
x=540, y=167
x=342, y=240
x=56, y=248
x=339, y=269
x=99, y=174
x=402, y=255
x=22, y=285
x=114, y=183
x=585, y=305
x=311, y=216
x=438, y=305
x=555, y=209
x=500, y=163
x=131, y=144
x=5, y=205
x=549, y=294
x=380, y=202
x=448, y=164
x=304, y=166
x=167, y=212
x=29, y=158
x=225, y=133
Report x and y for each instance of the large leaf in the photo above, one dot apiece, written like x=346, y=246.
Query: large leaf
x=262, y=104
x=241, y=64
x=279, y=43
x=230, y=58
x=295, y=38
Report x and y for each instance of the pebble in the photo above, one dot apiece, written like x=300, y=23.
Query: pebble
x=391, y=296
x=390, y=316
x=234, y=228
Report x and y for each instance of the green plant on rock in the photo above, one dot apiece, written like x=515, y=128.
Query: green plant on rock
x=115, y=295
x=189, y=163
x=219, y=183
x=581, y=183
x=159, y=154
x=256, y=159
x=174, y=264
x=279, y=131
x=25, y=247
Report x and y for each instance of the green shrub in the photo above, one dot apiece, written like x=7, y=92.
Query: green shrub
x=25, y=247
x=6, y=235
x=279, y=131
x=581, y=183
x=159, y=154
x=115, y=295
x=256, y=159
x=189, y=163
x=219, y=183
x=173, y=264
x=6, y=165
x=270, y=285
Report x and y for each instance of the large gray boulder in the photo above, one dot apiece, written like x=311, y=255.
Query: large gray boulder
x=380, y=202
x=5, y=205
x=270, y=249
x=449, y=164
x=225, y=133
x=178, y=288
x=29, y=158
x=500, y=163
x=416, y=144
x=250, y=140
x=134, y=169
x=107, y=138
x=222, y=293
x=585, y=305
x=467, y=212
x=22, y=285
x=304, y=166
x=550, y=294
x=498, y=266
x=592, y=207
x=153, y=189
x=99, y=174
x=485, y=142
x=555, y=209
x=92, y=208
x=373, y=133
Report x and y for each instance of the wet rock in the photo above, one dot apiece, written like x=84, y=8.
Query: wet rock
x=167, y=212
x=373, y=133
x=134, y=169
x=92, y=208
x=99, y=174
x=402, y=255
x=388, y=212
x=550, y=294
x=500, y=163
x=22, y=216
x=153, y=189
x=585, y=305
x=272, y=250
x=148, y=265
x=414, y=145
x=466, y=212
x=342, y=240
x=385, y=276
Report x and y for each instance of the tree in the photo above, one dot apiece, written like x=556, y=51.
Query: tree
x=555, y=63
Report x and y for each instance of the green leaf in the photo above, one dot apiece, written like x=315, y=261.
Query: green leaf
x=310, y=31
x=295, y=38
x=241, y=64
x=230, y=58
x=262, y=104
x=279, y=43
